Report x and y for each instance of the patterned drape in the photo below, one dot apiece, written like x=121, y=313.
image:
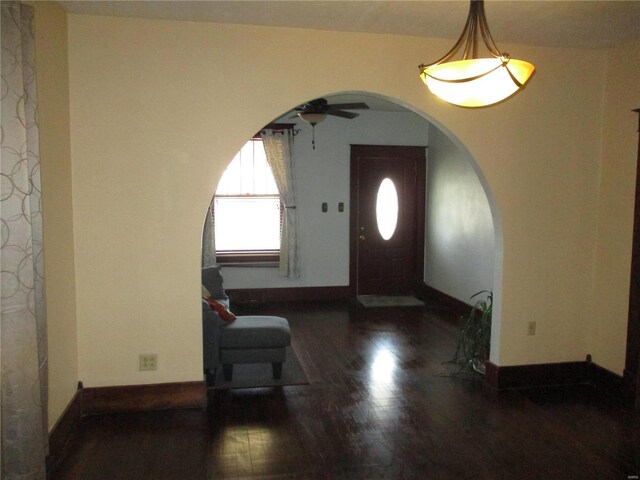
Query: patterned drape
x=22, y=318
x=208, y=240
x=278, y=145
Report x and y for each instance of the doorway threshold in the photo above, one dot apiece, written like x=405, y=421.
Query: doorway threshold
x=376, y=301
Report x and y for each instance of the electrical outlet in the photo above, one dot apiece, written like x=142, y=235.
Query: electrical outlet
x=532, y=328
x=148, y=361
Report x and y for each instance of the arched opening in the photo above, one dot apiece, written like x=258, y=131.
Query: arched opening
x=463, y=233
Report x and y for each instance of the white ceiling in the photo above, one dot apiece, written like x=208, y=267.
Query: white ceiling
x=572, y=23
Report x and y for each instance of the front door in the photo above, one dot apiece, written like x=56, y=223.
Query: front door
x=387, y=219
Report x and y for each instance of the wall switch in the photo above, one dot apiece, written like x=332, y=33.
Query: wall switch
x=148, y=361
x=325, y=207
x=531, y=330
x=341, y=207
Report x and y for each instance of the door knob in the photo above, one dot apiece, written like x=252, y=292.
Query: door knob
x=362, y=237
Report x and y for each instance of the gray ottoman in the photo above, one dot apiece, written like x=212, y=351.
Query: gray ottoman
x=254, y=339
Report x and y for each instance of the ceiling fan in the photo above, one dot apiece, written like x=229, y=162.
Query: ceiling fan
x=317, y=110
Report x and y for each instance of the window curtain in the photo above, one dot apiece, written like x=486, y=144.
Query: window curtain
x=209, y=240
x=22, y=316
x=278, y=146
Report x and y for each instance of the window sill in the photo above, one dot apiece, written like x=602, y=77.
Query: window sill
x=252, y=259
x=249, y=264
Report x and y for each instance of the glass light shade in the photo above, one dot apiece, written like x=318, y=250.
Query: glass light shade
x=312, y=118
x=476, y=82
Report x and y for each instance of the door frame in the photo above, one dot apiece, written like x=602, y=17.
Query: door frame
x=381, y=151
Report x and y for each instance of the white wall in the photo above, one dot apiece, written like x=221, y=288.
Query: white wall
x=322, y=175
x=459, y=237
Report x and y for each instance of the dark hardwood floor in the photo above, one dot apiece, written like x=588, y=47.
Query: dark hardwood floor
x=380, y=405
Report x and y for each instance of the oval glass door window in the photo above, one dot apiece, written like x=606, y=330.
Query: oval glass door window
x=387, y=208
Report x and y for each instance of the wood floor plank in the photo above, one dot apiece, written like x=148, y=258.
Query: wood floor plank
x=381, y=403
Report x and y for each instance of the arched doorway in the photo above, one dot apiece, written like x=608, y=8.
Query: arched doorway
x=463, y=252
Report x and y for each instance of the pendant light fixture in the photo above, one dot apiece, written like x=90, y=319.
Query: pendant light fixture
x=473, y=81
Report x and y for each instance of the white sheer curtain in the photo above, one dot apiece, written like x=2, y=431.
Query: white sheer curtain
x=278, y=146
x=22, y=318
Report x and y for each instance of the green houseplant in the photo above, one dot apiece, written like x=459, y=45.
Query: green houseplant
x=474, y=340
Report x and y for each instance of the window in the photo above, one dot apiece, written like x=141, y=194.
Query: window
x=247, y=210
x=387, y=209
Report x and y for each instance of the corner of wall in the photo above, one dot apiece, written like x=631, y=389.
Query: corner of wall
x=55, y=151
x=607, y=339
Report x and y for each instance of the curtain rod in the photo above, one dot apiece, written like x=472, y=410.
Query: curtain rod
x=278, y=127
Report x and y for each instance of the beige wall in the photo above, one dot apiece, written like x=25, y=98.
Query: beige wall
x=55, y=169
x=615, y=215
x=158, y=108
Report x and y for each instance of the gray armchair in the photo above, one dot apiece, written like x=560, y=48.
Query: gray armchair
x=247, y=339
x=211, y=321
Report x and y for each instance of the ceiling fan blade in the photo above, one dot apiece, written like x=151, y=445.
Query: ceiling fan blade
x=343, y=114
x=349, y=106
x=318, y=102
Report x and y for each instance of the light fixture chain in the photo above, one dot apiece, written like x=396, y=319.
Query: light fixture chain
x=458, y=43
x=471, y=48
x=486, y=34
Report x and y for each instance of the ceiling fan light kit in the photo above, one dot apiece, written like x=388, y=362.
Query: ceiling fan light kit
x=472, y=81
x=312, y=118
